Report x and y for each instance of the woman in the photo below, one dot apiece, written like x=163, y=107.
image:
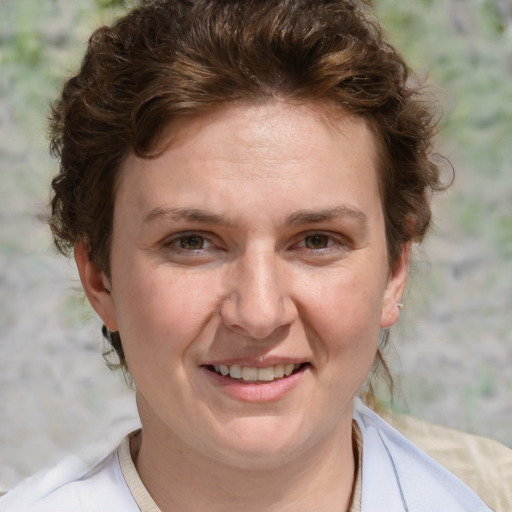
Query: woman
x=241, y=183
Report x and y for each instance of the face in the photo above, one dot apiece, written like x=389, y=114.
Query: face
x=250, y=280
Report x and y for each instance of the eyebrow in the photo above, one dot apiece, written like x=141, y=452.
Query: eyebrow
x=296, y=218
x=191, y=214
x=327, y=214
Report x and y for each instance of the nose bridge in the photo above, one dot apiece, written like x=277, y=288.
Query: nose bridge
x=259, y=303
x=260, y=281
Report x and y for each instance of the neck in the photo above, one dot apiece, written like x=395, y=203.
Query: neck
x=180, y=478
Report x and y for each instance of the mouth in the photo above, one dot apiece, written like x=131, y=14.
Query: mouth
x=254, y=374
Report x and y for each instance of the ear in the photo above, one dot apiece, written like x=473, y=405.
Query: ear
x=97, y=287
x=395, y=289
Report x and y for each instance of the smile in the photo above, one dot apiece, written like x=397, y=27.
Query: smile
x=253, y=374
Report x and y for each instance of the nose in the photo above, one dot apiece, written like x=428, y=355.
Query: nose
x=258, y=302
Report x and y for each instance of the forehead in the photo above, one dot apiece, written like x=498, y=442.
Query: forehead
x=255, y=147
x=260, y=121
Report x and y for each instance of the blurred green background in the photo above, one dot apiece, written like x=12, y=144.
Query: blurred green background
x=452, y=354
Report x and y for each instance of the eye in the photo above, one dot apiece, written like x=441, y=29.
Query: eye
x=317, y=241
x=190, y=242
x=321, y=244
x=193, y=248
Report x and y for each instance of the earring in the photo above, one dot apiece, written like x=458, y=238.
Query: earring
x=400, y=306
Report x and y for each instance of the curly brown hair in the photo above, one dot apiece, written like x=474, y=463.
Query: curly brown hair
x=169, y=59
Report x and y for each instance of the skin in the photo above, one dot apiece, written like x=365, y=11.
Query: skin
x=257, y=237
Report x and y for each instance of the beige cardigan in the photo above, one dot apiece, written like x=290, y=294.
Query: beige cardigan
x=482, y=464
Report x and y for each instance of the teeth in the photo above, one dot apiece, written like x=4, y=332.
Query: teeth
x=253, y=374
x=288, y=369
x=279, y=371
x=249, y=373
x=266, y=373
x=235, y=371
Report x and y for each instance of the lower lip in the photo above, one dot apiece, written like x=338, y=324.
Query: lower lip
x=261, y=391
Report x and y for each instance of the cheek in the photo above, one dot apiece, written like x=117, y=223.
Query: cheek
x=347, y=304
x=163, y=312
x=343, y=321
x=344, y=332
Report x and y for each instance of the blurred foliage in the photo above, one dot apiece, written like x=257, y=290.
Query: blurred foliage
x=108, y=4
x=464, y=48
x=41, y=42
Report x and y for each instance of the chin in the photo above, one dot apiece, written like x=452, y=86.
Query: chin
x=257, y=443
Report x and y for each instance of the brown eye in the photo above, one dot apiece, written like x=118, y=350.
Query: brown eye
x=316, y=241
x=191, y=242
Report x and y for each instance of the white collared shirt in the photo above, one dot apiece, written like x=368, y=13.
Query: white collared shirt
x=396, y=476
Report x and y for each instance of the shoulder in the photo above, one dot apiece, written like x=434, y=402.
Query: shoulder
x=409, y=464
x=75, y=487
x=482, y=464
